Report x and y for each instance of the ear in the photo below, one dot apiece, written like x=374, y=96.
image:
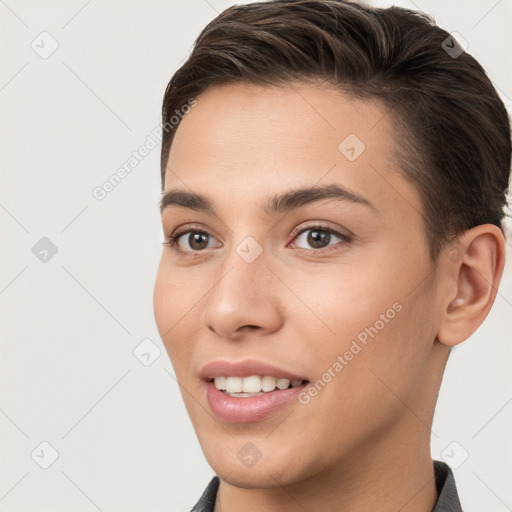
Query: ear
x=476, y=264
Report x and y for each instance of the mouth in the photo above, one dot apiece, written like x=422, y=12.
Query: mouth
x=254, y=385
x=250, y=390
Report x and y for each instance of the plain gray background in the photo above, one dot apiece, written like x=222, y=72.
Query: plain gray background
x=115, y=434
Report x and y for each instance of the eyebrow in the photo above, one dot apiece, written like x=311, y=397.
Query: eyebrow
x=285, y=202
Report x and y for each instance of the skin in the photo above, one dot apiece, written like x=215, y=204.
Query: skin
x=369, y=428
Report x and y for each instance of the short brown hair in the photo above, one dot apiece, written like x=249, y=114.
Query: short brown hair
x=452, y=129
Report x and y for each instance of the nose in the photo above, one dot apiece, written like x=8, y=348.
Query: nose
x=245, y=300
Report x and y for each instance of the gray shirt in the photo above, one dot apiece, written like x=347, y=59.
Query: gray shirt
x=447, y=501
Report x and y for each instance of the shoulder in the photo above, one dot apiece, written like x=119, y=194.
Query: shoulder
x=448, y=497
x=206, y=502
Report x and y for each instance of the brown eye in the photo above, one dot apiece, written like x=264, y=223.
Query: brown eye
x=319, y=237
x=197, y=241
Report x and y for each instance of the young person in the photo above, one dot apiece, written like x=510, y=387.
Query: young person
x=333, y=183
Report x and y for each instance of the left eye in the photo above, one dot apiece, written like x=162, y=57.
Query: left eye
x=320, y=237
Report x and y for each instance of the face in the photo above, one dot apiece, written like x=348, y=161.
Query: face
x=331, y=290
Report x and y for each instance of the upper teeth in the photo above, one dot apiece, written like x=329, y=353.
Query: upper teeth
x=253, y=384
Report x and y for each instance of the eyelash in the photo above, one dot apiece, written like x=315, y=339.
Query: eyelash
x=172, y=240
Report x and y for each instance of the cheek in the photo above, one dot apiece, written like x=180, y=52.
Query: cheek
x=173, y=306
x=385, y=347
x=164, y=302
x=367, y=382
x=344, y=301
x=376, y=314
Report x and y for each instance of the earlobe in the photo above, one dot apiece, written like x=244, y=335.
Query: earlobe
x=477, y=271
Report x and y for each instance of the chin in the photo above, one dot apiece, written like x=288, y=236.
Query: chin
x=260, y=476
x=252, y=462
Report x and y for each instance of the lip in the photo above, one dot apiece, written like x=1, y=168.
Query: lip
x=249, y=409
x=245, y=410
x=246, y=368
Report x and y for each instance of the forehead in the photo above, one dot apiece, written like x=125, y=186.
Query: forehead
x=256, y=141
x=282, y=116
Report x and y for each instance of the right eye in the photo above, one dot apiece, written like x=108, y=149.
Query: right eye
x=197, y=240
